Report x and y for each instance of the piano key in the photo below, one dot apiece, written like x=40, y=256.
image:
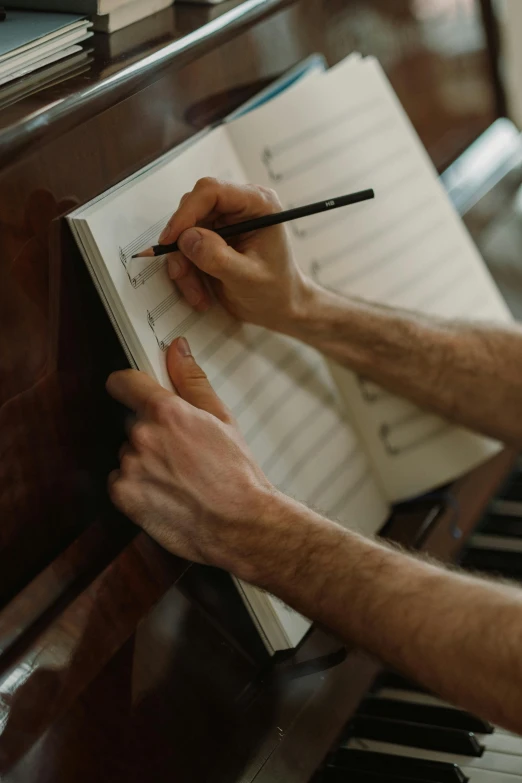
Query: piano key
x=334, y=775
x=357, y=760
x=507, y=564
x=502, y=525
x=414, y=697
x=415, y=694
x=493, y=542
x=477, y=776
x=484, y=776
x=502, y=742
x=416, y=735
x=507, y=507
x=512, y=490
x=410, y=697
x=433, y=715
x=490, y=761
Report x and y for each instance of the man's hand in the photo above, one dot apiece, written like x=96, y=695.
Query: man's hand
x=255, y=276
x=186, y=476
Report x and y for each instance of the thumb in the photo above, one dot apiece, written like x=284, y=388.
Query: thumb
x=191, y=382
x=208, y=251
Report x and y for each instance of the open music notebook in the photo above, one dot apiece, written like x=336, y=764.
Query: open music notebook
x=321, y=434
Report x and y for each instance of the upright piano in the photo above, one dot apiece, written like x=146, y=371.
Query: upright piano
x=118, y=661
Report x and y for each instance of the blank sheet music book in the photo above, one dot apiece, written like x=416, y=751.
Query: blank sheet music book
x=321, y=434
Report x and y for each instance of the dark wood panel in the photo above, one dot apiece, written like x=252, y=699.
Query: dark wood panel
x=40, y=679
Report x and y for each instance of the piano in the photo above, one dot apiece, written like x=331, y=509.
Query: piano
x=399, y=732
x=118, y=661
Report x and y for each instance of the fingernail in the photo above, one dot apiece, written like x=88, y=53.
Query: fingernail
x=184, y=347
x=164, y=234
x=174, y=267
x=188, y=240
x=192, y=295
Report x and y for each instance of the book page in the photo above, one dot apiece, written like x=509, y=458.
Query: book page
x=279, y=391
x=407, y=248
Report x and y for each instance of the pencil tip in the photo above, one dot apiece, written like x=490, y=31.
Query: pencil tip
x=148, y=253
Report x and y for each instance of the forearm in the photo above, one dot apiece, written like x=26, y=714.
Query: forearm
x=470, y=373
x=455, y=634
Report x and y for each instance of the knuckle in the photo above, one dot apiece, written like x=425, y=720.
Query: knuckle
x=123, y=449
x=118, y=493
x=161, y=408
x=207, y=257
x=128, y=464
x=220, y=257
x=141, y=436
x=206, y=183
x=178, y=266
x=270, y=197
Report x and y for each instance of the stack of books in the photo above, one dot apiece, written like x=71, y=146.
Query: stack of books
x=32, y=40
x=106, y=15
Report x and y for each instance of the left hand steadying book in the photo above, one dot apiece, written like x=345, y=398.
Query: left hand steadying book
x=188, y=478
x=187, y=461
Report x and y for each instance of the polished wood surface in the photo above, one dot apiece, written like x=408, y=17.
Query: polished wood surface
x=117, y=661
x=434, y=53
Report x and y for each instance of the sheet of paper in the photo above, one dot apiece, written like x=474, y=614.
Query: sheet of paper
x=279, y=391
x=406, y=248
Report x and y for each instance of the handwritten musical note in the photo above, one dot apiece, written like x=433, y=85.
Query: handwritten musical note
x=162, y=308
x=180, y=329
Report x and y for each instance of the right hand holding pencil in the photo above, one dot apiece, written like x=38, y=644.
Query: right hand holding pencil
x=255, y=276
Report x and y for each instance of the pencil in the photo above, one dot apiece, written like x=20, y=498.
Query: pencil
x=269, y=220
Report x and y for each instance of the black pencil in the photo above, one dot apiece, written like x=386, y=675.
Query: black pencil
x=269, y=220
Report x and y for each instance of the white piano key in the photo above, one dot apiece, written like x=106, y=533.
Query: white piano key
x=507, y=733
x=484, y=776
x=501, y=742
x=496, y=543
x=511, y=508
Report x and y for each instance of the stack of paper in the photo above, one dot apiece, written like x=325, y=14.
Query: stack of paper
x=30, y=40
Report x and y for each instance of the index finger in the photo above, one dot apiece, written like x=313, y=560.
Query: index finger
x=134, y=389
x=213, y=198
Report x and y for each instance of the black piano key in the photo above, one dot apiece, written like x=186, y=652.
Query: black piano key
x=416, y=735
x=502, y=525
x=493, y=561
x=352, y=760
x=341, y=776
x=512, y=490
x=428, y=714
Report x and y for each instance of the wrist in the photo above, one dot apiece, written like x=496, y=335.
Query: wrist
x=256, y=537
x=284, y=545
x=310, y=308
